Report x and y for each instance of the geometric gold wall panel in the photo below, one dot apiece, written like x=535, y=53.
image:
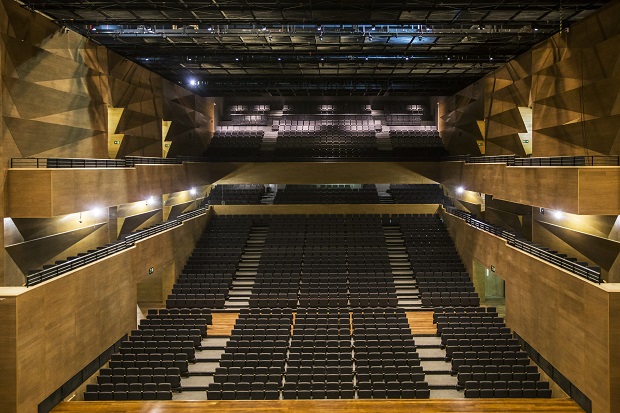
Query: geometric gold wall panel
x=56, y=89
x=572, y=83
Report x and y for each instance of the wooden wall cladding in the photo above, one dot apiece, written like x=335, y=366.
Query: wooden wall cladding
x=571, y=83
x=66, y=191
x=8, y=333
x=55, y=329
x=587, y=190
x=571, y=322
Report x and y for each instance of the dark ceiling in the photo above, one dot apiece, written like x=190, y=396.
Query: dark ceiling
x=224, y=47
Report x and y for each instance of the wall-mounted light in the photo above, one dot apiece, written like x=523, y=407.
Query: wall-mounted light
x=558, y=214
x=460, y=190
x=192, y=191
x=149, y=200
x=97, y=212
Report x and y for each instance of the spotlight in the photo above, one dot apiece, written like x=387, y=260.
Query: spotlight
x=460, y=190
x=264, y=28
x=237, y=59
x=193, y=82
x=319, y=27
x=558, y=214
x=373, y=27
x=192, y=191
x=150, y=200
x=97, y=212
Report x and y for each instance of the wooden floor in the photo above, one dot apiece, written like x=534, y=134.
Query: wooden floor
x=421, y=322
x=331, y=406
x=223, y=323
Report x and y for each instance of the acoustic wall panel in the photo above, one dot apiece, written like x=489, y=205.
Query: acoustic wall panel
x=572, y=83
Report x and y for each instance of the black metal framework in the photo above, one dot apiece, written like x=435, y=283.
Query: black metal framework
x=579, y=268
x=329, y=47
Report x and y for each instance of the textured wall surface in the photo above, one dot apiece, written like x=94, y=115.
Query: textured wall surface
x=63, y=96
x=570, y=81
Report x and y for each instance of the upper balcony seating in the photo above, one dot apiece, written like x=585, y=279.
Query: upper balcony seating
x=244, y=194
x=327, y=194
x=235, y=144
x=416, y=193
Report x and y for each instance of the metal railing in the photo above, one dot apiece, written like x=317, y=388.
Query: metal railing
x=129, y=240
x=147, y=232
x=127, y=162
x=569, y=161
x=80, y=261
x=507, y=159
x=143, y=160
x=579, y=268
x=512, y=160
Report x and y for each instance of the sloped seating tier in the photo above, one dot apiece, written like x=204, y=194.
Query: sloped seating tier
x=328, y=142
x=487, y=359
x=245, y=194
x=403, y=120
x=208, y=274
x=253, y=362
x=440, y=274
x=416, y=193
x=327, y=194
x=324, y=260
x=235, y=143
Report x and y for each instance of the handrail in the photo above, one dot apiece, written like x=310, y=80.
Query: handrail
x=581, y=269
x=69, y=265
x=569, y=161
x=512, y=160
x=128, y=241
x=143, y=160
x=507, y=159
x=127, y=162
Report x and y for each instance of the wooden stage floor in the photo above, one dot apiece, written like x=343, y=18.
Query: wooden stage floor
x=331, y=406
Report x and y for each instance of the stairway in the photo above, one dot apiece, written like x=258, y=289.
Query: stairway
x=436, y=370
x=406, y=287
x=239, y=294
x=384, y=143
x=386, y=198
x=269, y=141
x=268, y=198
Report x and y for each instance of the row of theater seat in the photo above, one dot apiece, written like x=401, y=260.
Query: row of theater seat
x=246, y=194
x=487, y=360
x=128, y=391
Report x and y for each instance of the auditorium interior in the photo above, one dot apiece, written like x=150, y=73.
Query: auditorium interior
x=236, y=205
